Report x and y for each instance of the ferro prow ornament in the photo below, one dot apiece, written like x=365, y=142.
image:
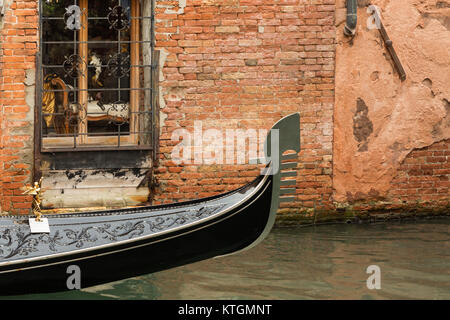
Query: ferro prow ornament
x=35, y=191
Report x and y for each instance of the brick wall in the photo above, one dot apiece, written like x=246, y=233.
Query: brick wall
x=18, y=45
x=231, y=65
x=424, y=177
x=245, y=64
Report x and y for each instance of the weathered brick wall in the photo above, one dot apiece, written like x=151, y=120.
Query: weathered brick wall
x=245, y=64
x=423, y=178
x=18, y=46
x=231, y=65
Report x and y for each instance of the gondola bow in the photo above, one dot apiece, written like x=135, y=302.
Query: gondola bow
x=111, y=245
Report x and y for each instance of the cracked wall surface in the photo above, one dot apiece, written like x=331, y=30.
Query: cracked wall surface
x=404, y=116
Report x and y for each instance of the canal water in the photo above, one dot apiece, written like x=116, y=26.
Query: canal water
x=315, y=262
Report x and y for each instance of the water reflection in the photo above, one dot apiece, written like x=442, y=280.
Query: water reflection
x=322, y=262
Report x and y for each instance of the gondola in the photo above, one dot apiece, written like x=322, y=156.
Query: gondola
x=109, y=245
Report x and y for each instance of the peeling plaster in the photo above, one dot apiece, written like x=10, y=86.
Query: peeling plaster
x=181, y=6
x=404, y=115
x=94, y=187
x=162, y=116
x=162, y=61
x=362, y=126
x=30, y=92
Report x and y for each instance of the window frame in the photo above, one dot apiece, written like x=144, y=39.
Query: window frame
x=83, y=140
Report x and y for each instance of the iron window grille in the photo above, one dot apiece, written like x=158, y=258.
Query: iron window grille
x=97, y=75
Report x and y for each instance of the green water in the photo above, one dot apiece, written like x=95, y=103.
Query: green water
x=321, y=262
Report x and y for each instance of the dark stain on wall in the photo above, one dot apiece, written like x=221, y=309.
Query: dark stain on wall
x=96, y=160
x=443, y=19
x=362, y=126
x=80, y=175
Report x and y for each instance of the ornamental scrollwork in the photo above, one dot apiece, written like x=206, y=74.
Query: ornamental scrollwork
x=119, y=65
x=74, y=66
x=127, y=229
x=118, y=18
x=18, y=241
x=52, y=241
x=80, y=237
x=118, y=113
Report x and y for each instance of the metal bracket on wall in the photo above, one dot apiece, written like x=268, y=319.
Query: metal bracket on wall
x=2, y=8
x=390, y=48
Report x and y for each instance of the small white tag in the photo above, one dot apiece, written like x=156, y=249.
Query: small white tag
x=39, y=226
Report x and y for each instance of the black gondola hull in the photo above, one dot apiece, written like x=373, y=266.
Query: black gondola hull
x=222, y=235
x=92, y=248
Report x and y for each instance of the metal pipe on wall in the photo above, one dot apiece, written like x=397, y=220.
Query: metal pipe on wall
x=350, y=24
x=2, y=8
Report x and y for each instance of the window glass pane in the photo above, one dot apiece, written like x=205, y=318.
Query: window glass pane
x=102, y=8
x=63, y=34
x=109, y=84
x=55, y=8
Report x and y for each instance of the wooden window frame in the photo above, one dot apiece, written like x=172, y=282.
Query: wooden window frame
x=86, y=142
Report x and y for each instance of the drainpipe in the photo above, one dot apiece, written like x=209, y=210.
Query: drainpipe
x=2, y=8
x=350, y=24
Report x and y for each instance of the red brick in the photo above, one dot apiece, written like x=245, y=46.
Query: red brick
x=428, y=178
x=208, y=76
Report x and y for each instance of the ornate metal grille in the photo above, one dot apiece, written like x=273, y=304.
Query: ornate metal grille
x=97, y=75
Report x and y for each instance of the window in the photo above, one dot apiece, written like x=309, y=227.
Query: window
x=96, y=76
